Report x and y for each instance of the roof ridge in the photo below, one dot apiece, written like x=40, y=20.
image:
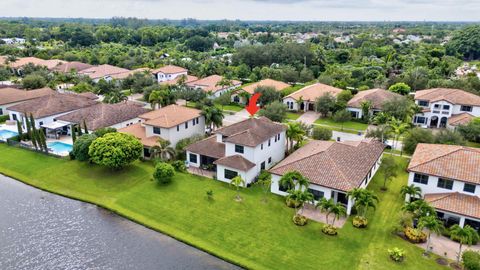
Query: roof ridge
x=442, y=195
x=436, y=158
x=303, y=158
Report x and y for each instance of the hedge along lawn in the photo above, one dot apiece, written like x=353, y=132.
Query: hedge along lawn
x=251, y=233
x=347, y=125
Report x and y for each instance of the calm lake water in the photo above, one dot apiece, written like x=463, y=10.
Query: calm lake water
x=39, y=230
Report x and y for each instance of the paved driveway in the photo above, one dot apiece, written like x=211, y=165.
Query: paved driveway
x=235, y=118
x=309, y=117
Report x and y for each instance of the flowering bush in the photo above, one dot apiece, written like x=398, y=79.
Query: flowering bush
x=300, y=220
x=292, y=203
x=329, y=230
x=415, y=235
x=396, y=254
x=360, y=222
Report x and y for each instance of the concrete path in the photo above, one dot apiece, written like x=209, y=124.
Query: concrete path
x=308, y=117
x=445, y=247
x=235, y=118
x=310, y=212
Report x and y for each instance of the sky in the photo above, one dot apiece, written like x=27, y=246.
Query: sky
x=296, y=10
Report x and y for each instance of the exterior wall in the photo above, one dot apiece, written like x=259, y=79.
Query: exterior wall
x=43, y=120
x=174, y=136
x=162, y=77
x=248, y=176
x=291, y=103
x=358, y=112
x=3, y=108
x=196, y=164
x=440, y=112
x=126, y=123
x=431, y=187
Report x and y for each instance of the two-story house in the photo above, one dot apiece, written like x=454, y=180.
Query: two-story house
x=449, y=177
x=244, y=148
x=444, y=107
x=332, y=168
x=169, y=73
x=172, y=123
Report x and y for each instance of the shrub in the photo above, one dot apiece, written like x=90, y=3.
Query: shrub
x=81, y=147
x=163, y=173
x=300, y=220
x=415, y=235
x=329, y=230
x=360, y=222
x=209, y=194
x=292, y=203
x=102, y=131
x=396, y=254
x=475, y=238
x=4, y=118
x=115, y=150
x=321, y=133
x=179, y=166
x=471, y=260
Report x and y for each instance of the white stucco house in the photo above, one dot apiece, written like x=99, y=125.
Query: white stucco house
x=444, y=107
x=211, y=85
x=332, y=168
x=304, y=99
x=13, y=96
x=169, y=73
x=172, y=123
x=245, y=148
x=449, y=177
x=376, y=97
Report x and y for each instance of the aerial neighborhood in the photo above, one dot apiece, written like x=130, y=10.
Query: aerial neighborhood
x=240, y=151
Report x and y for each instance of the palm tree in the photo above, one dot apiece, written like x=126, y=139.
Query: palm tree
x=432, y=224
x=398, y=127
x=411, y=191
x=295, y=133
x=213, y=117
x=300, y=197
x=238, y=182
x=366, y=106
x=418, y=209
x=224, y=83
x=156, y=99
x=292, y=179
x=325, y=206
x=163, y=150
x=337, y=210
x=465, y=235
x=364, y=199
x=115, y=96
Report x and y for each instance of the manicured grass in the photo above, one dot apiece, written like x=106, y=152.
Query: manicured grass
x=231, y=107
x=473, y=144
x=293, y=115
x=347, y=125
x=251, y=233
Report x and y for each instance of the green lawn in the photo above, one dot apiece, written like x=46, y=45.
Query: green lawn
x=473, y=144
x=347, y=125
x=252, y=233
x=293, y=115
x=231, y=107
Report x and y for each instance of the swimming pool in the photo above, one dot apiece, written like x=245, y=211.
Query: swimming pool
x=5, y=134
x=60, y=148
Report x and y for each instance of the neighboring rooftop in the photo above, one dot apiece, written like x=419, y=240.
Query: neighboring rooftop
x=124, y=75
x=312, y=92
x=53, y=104
x=251, y=132
x=460, y=119
x=208, y=147
x=101, y=71
x=20, y=62
x=14, y=95
x=236, y=162
x=170, y=116
x=103, y=115
x=210, y=83
x=188, y=79
x=52, y=63
x=138, y=131
x=169, y=69
x=338, y=165
x=463, y=204
x=454, y=96
x=277, y=85
x=377, y=97
x=69, y=66
x=448, y=161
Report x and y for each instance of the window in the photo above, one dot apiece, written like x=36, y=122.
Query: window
x=262, y=166
x=261, y=146
x=420, y=120
x=197, y=120
x=275, y=138
x=420, y=178
x=436, y=106
x=317, y=194
x=269, y=160
x=446, y=107
x=193, y=158
x=1, y=111
x=469, y=188
x=239, y=149
x=186, y=125
x=178, y=127
x=193, y=122
x=14, y=117
x=423, y=103
x=41, y=123
x=444, y=183
x=279, y=136
x=269, y=142
x=230, y=174
x=464, y=108
x=156, y=130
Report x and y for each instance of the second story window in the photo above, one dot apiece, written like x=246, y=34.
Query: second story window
x=197, y=120
x=420, y=178
x=464, y=108
x=470, y=188
x=261, y=146
x=423, y=103
x=269, y=142
x=445, y=183
x=193, y=122
x=239, y=149
x=156, y=130
x=446, y=107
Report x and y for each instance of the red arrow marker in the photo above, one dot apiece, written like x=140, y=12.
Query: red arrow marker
x=252, y=107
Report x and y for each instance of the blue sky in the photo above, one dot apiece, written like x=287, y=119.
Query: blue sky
x=318, y=10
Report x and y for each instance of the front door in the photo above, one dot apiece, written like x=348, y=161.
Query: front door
x=443, y=122
x=434, y=122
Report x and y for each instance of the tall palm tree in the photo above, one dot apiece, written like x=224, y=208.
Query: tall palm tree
x=465, y=235
x=163, y=150
x=237, y=182
x=115, y=96
x=366, y=106
x=213, y=117
x=398, y=127
x=411, y=191
x=295, y=133
x=364, y=199
x=156, y=99
x=338, y=211
x=300, y=197
x=292, y=179
x=432, y=224
x=418, y=209
x=325, y=206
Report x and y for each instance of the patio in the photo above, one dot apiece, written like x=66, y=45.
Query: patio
x=201, y=172
x=310, y=212
x=446, y=247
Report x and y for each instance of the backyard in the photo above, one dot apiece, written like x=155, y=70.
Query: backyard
x=351, y=125
x=252, y=234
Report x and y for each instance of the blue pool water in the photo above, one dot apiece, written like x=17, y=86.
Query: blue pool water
x=5, y=134
x=60, y=148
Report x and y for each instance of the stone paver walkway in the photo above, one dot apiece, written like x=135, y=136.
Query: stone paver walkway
x=445, y=247
x=314, y=214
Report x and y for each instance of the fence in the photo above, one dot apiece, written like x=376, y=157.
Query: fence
x=15, y=143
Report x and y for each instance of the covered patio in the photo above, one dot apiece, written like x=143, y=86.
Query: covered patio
x=56, y=129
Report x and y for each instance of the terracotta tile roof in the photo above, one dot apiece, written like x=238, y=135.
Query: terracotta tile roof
x=101, y=71
x=208, y=147
x=279, y=86
x=170, y=116
x=69, y=66
x=460, y=119
x=13, y=95
x=123, y=75
x=89, y=95
x=448, y=161
x=20, y=62
x=454, y=96
x=312, y=92
x=52, y=63
x=53, y=104
x=463, y=204
x=189, y=79
x=251, y=132
x=103, y=115
x=337, y=165
x=170, y=69
x=236, y=162
x=210, y=83
x=376, y=96
x=138, y=131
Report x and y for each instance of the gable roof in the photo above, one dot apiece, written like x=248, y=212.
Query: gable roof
x=376, y=96
x=170, y=116
x=123, y=75
x=454, y=96
x=337, y=165
x=189, y=79
x=236, y=162
x=169, y=69
x=101, y=71
x=448, y=161
x=20, y=62
x=68, y=66
x=13, y=95
x=53, y=104
x=52, y=63
x=277, y=85
x=455, y=202
x=103, y=115
x=251, y=132
x=312, y=92
x=210, y=83
x=139, y=132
